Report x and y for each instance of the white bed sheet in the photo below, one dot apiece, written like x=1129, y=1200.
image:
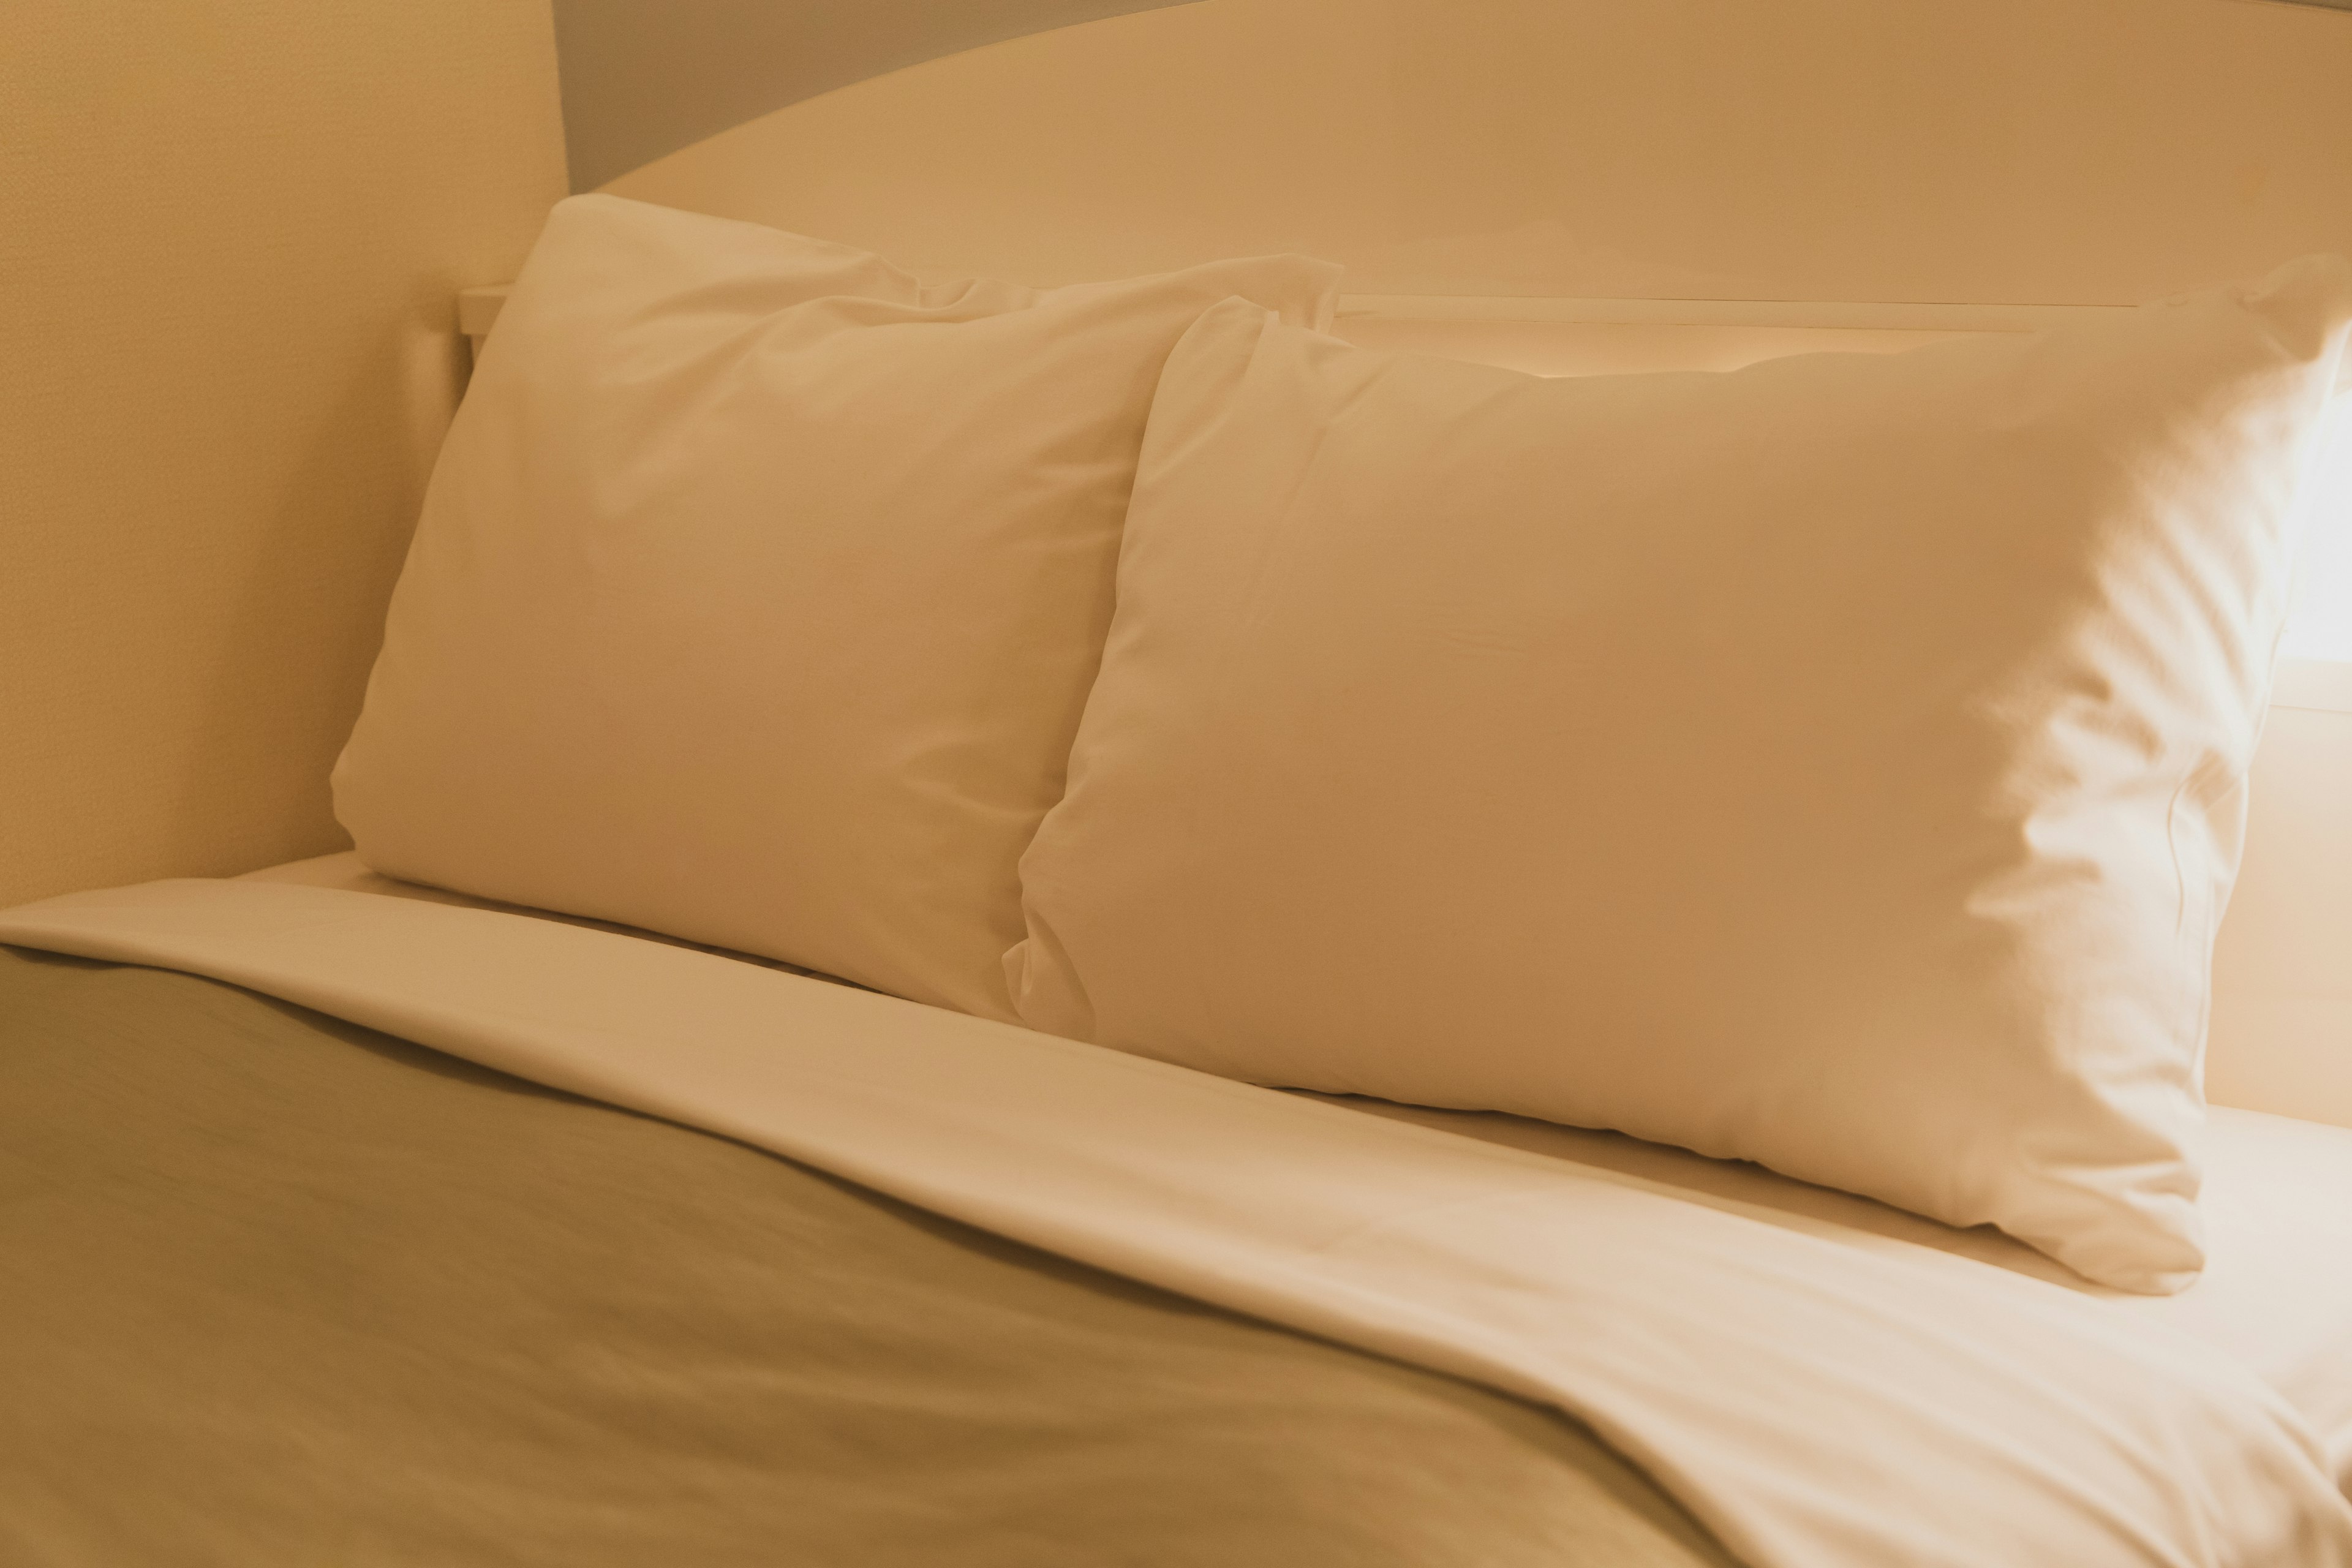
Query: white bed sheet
x=2275, y=1297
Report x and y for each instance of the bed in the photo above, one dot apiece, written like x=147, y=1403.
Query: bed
x=285, y=1286
x=2278, y=1297
x=394, y=1306
x=617, y=1209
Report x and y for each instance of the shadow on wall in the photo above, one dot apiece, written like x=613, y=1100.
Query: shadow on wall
x=292, y=663
x=2056, y=152
x=641, y=81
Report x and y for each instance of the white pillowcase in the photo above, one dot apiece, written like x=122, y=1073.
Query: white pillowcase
x=758, y=591
x=1835, y=764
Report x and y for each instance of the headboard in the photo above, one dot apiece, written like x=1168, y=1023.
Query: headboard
x=2058, y=152
x=643, y=81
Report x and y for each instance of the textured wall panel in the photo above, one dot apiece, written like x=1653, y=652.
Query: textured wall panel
x=231, y=233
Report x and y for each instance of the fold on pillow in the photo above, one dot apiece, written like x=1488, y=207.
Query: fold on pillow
x=1836, y=764
x=758, y=587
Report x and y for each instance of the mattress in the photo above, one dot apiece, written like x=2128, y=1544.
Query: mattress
x=2275, y=1297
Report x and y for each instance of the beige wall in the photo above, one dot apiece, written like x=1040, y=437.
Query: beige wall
x=642, y=80
x=229, y=232
x=2076, y=152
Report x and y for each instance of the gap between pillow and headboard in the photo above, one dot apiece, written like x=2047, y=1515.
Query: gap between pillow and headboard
x=478, y=312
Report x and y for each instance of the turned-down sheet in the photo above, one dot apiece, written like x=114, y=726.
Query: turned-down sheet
x=1808, y=1401
x=2275, y=1296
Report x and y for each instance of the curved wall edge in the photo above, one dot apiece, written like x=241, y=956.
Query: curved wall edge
x=642, y=81
x=2049, y=151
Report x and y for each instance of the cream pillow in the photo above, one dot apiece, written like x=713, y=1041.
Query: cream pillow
x=1834, y=764
x=758, y=587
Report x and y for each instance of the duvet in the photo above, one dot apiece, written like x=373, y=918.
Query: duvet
x=276, y=1289
x=740, y=1267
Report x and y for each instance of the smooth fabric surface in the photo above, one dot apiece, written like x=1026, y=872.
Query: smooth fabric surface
x=2275, y=1295
x=758, y=590
x=1855, y=1408
x=279, y=1291
x=1835, y=763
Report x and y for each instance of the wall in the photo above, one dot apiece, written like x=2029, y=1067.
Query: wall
x=229, y=233
x=2070, y=152
x=641, y=81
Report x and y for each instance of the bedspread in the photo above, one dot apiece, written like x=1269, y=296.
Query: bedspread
x=1813, y=1405
x=277, y=1290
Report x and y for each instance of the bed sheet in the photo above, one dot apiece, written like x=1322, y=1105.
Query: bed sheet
x=2275, y=1297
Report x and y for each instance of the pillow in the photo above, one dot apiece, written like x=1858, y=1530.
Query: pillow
x=758, y=590
x=1834, y=763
